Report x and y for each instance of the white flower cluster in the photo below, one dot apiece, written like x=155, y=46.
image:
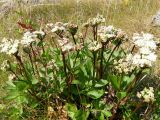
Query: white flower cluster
x=30, y=37
x=11, y=77
x=108, y=32
x=146, y=53
x=9, y=46
x=4, y=65
x=124, y=65
x=94, y=46
x=147, y=95
x=144, y=40
x=95, y=21
x=40, y=32
x=58, y=27
x=66, y=45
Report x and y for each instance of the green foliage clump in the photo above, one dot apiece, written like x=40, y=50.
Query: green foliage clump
x=62, y=72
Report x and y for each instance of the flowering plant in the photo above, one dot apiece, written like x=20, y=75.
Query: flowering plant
x=62, y=73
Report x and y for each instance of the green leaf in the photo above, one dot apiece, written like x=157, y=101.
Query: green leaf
x=84, y=71
x=21, y=85
x=34, y=81
x=12, y=95
x=101, y=83
x=71, y=109
x=114, y=82
x=76, y=82
x=127, y=80
x=22, y=99
x=41, y=43
x=10, y=84
x=81, y=115
x=107, y=113
x=71, y=62
x=101, y=116
x=121, y=95
x=95, y=94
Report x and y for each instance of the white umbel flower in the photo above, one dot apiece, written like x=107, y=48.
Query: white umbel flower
x=141, y=61
x=58, y=27
x=9, y=46
x=151, y=57
x=97, y=20
x=106, y=32
x=66, y=45
x=40, y=32
x=4, y=65
x=145, y=55
x=109, y=32
x=94, y=46
x=125, y=65
x=147, y=95
x=144, y=40
x=28, y=38
x=11, y=77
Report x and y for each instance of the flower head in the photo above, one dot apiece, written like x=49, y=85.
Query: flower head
x=147, y=95
x=72, y=28
x=40, y=32
x=125, y=65
x=66, y=45
x=109, y=32
x=9, y=46
x=11, y=77
x=28, y=38
x=4, y=65
x=58, y=27
x=94, y=46
x=145, y=55
x=144, y=40
x=95, y=21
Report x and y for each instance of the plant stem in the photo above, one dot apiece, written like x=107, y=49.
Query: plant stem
x=113, y=50
x=134, y=81
x=94, y=64
x=21, y=63
x=64, y=66
x=95, y=32
x=74, y=39
x=14, y=74
x=30, y=58
x=132, y=49
x=137, y=107
x=119, y=43
x=35, y=96
x=85, y=34
x=74, y=63
x=117, y=106
x=96, y=28
x=34, y=55
x=101, y=63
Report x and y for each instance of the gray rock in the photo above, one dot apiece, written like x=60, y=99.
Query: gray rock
x=156, y=19
x=6, y=7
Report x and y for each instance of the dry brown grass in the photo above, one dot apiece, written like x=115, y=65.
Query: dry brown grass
x=135, y=16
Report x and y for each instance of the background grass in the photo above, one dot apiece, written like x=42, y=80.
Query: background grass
x=129, y=15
